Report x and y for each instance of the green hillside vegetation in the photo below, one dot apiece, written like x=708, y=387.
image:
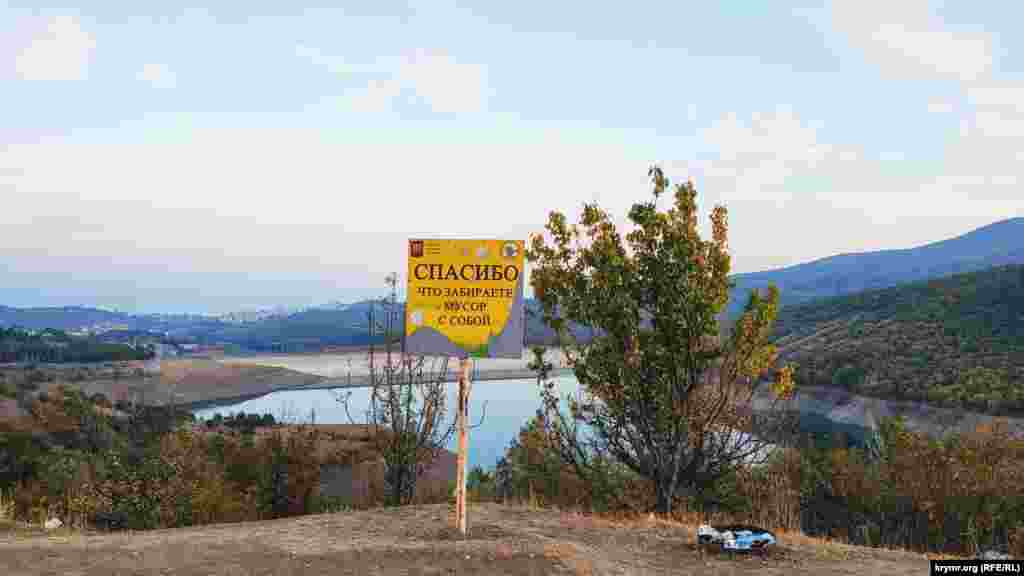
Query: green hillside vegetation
x=957, y=342
x=56, y=346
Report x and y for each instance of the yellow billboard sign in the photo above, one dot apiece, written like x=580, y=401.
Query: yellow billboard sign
x=465, y=298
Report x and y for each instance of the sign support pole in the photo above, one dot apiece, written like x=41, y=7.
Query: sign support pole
x=463, y=456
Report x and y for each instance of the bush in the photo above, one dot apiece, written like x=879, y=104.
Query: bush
x=532, y=471
x=21, y=457
x=975, y=494
x=6, y=507
x=1017, y=542
x=132, y=491
x=329, y=505
x=849, y=377
x=109, y=520
x=879, y=495
x=63, y=475
x=98, y=399
x=149, y=473
x=290, y=476
x=480, y=485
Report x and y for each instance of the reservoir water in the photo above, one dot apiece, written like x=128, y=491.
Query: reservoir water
x=504, y=406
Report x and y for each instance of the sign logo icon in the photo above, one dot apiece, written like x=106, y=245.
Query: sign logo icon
x=417, y=318
x=510, y=250
x=416, y=248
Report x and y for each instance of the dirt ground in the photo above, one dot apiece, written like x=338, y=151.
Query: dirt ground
x=420, y=540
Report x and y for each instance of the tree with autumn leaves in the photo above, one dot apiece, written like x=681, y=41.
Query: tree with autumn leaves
x=665, y=392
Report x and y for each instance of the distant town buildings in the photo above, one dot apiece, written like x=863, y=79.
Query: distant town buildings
x=245, y=316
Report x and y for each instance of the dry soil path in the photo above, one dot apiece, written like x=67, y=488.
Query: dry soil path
x=419, y=540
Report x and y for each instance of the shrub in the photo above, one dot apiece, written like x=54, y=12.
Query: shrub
x=195, y=491
x=480, y=485
x=146, y=473
x=64, y=477
x=329, y=505
x=98, y=399
x=1017, y=542
x=291, y=475
x=532, y=471
x=970, y=500
x=131, y=491
x=848, y=377
x=21, y=456
x=6, y=507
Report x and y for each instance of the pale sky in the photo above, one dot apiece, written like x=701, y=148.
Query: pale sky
x=260, y=153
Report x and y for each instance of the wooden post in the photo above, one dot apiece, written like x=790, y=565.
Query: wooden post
x=463, y=456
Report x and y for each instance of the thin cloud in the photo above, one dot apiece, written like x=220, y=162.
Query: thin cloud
x=447, y=85
x=378, y=96
x=61, y=51
x=984, y=167
x=158, y=76
x=776, y=163
x=907, y=42
x=316, y=57
x=940, y=105
x=435, y=76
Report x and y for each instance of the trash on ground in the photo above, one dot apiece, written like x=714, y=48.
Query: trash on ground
x=735, y=537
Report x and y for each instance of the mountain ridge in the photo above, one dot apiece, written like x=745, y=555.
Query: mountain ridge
x=336, y=323
x=995, y=244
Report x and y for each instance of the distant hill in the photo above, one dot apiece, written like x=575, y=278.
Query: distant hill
x=346, y=324
x=338, y=326
x=59, y=318
x=955, y=342
x=331, y=325
x=80, y=317
x=997, y=244
x=307, y=330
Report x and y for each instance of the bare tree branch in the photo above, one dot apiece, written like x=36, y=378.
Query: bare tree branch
x=407, y=410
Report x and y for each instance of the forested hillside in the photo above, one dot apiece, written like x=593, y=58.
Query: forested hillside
x=956, y=341
x=55, y=346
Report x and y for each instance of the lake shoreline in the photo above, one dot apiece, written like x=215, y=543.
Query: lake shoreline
x=354, y=382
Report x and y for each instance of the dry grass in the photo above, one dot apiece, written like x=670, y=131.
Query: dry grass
x=408, y=540
x=571, y=556
x=341, y=443
x=827, y=548
x=11, y=527
x=6, y=509
x=685, y=524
